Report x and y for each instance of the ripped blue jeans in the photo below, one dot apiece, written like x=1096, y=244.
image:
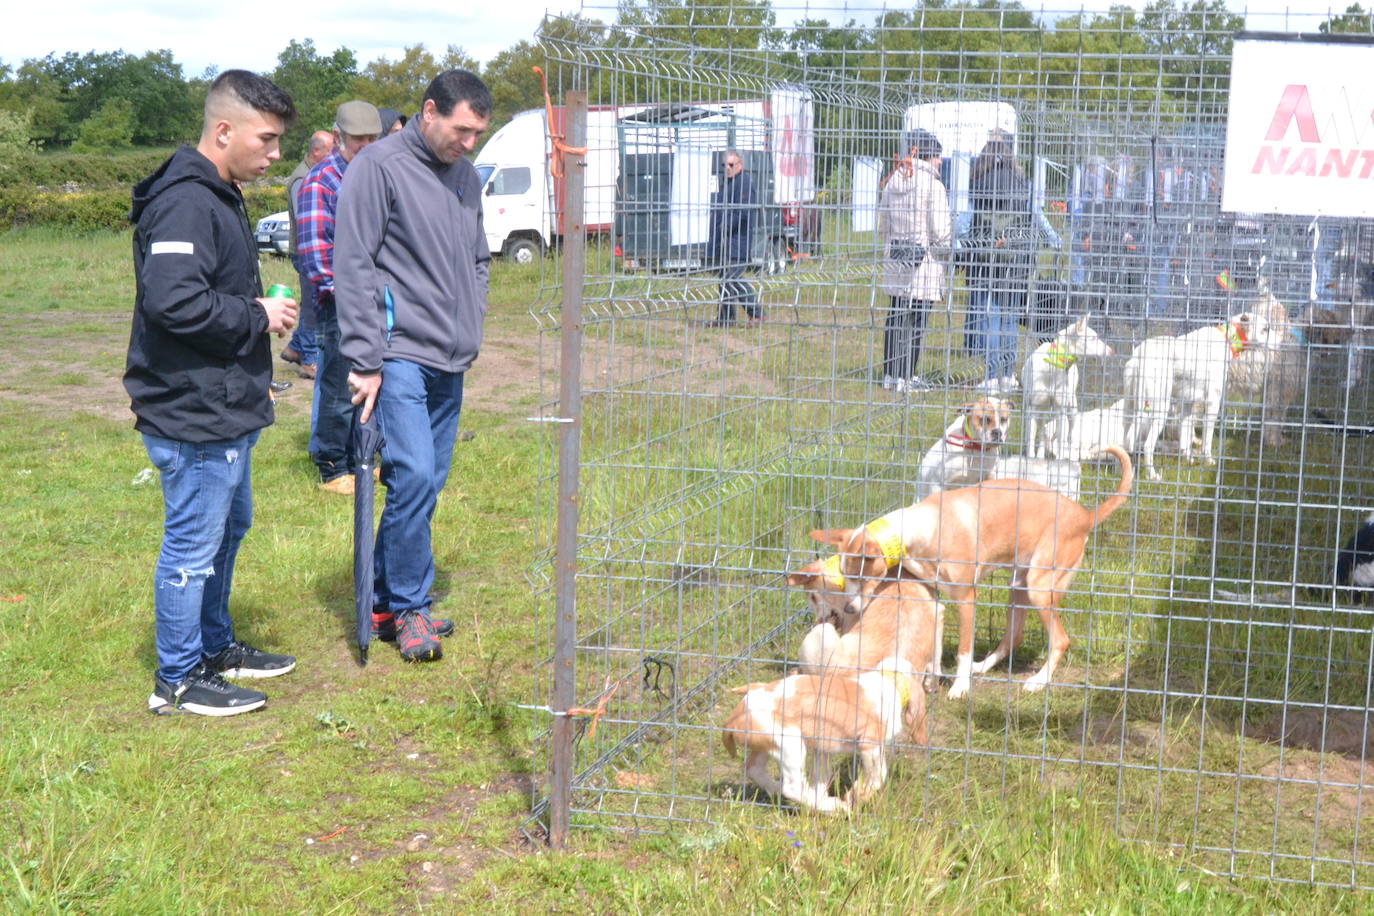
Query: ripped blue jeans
x=207, y=495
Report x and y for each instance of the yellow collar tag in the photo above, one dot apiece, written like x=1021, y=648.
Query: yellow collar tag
x=1059, y=358
x=902, y=683
x=889, y=541
x=830, y=569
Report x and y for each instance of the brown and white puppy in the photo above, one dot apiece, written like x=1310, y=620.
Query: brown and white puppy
x=952, y=539
x=903, y=619
x=825, y=716
x=968, y=448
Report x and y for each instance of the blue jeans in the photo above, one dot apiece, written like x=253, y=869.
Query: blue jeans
x=417, y=409
x=995, y=330
x=737, y=291
x=303, y=338
x=331, y=409
x=207, y=495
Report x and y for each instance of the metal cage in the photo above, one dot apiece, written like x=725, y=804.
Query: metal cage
x=1217, y=688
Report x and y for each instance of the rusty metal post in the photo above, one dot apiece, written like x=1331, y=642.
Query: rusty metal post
x=569, y=457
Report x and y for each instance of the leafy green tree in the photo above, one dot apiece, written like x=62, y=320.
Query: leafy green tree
x=1192, y=44
x=400, y=84
x=1353, y=21
x=111, y=127
x=736, y=24
x=18, y=152
x=514, y=85
x=317, y=84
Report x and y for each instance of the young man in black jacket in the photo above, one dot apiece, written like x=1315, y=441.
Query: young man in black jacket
x=198, y=372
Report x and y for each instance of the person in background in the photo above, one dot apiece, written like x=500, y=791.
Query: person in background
x=1000, y=257
x=301, y=350
x=356, y=124
x=392, y=121
x=197, y=373
x=412, y=296
x=734, y=208
x=916, y=228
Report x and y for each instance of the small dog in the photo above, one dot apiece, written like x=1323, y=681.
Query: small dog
x=968, y=449
x=1355, y=562
x=1049, y=379
x=1187, y=374
x=904, y=618
x=1064, y=476
x=1091, y=431
x=952, y=539
x=825, y=716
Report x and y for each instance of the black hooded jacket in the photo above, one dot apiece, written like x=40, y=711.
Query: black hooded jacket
x=199, y=363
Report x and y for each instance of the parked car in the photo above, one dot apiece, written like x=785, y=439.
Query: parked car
x=274, y=233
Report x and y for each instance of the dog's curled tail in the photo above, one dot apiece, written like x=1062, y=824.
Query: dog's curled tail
x=1123, y=489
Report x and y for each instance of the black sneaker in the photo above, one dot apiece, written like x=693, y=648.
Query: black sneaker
x=242, y=660
x=416, y=639
x=384, y=626
x=203, y=693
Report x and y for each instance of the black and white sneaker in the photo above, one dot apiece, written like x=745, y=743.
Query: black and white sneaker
x=203, y=693
x=242, y=660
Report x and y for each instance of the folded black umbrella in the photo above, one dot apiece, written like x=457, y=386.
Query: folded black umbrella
x=367, y=442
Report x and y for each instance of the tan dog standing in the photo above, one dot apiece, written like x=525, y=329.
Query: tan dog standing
x=825, y=716
x=953, y=539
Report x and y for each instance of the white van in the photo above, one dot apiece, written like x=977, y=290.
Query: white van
x=522, y=204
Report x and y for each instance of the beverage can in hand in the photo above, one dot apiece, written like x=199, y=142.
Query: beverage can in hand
x=280, y=291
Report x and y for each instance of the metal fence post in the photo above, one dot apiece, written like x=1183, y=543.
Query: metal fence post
x=569, y=456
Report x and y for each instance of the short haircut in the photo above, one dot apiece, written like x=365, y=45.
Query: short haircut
x=922, y=143
x=243, y=87
x=321, y=138
x=454, y=86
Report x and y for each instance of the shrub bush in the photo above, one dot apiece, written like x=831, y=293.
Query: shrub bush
x=107, y=208
x=90, y=170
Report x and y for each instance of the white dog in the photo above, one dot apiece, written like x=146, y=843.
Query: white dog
x=1065, y=476
x=1092, y=430
x=1187, y=374
x=1050, y=380
x=968, y=449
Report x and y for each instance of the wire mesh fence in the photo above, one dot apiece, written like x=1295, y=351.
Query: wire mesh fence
x=747, y=379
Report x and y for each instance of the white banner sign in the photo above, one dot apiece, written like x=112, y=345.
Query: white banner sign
x=1300, y=131
x=794, y=145
x=868, y=175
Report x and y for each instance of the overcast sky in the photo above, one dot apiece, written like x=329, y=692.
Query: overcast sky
x=251, y=34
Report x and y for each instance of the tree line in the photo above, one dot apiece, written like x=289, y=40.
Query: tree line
x=102, y=101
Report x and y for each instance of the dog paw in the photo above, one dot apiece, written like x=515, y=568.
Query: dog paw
x=1035, y=683
x=1153, y=475
x=960, y=689
x=931, y=683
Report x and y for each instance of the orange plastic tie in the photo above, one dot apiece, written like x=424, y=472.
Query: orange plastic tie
x=559, y=147
x=599, y=710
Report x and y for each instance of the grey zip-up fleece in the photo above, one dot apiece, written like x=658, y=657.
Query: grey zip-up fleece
x=410, y=257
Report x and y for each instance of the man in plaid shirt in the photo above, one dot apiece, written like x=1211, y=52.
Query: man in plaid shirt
x=356, y=124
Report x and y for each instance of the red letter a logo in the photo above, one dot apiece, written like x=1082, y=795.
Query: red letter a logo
x=1295, y=105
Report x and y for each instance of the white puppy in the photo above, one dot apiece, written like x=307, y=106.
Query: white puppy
x=1064, y=476
x=1050, y=381
x=1092, y=430
x=1186, y=374
x=968, y=449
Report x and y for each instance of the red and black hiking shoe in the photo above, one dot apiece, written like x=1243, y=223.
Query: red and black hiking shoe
x=384, y=626
x=416, y=639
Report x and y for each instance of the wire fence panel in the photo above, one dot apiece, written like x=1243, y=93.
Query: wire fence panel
x=760, y=363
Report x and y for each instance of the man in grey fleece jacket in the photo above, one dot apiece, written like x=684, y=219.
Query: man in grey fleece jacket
x=410, y=270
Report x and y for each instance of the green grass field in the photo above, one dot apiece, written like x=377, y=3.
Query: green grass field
x=403, y=789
